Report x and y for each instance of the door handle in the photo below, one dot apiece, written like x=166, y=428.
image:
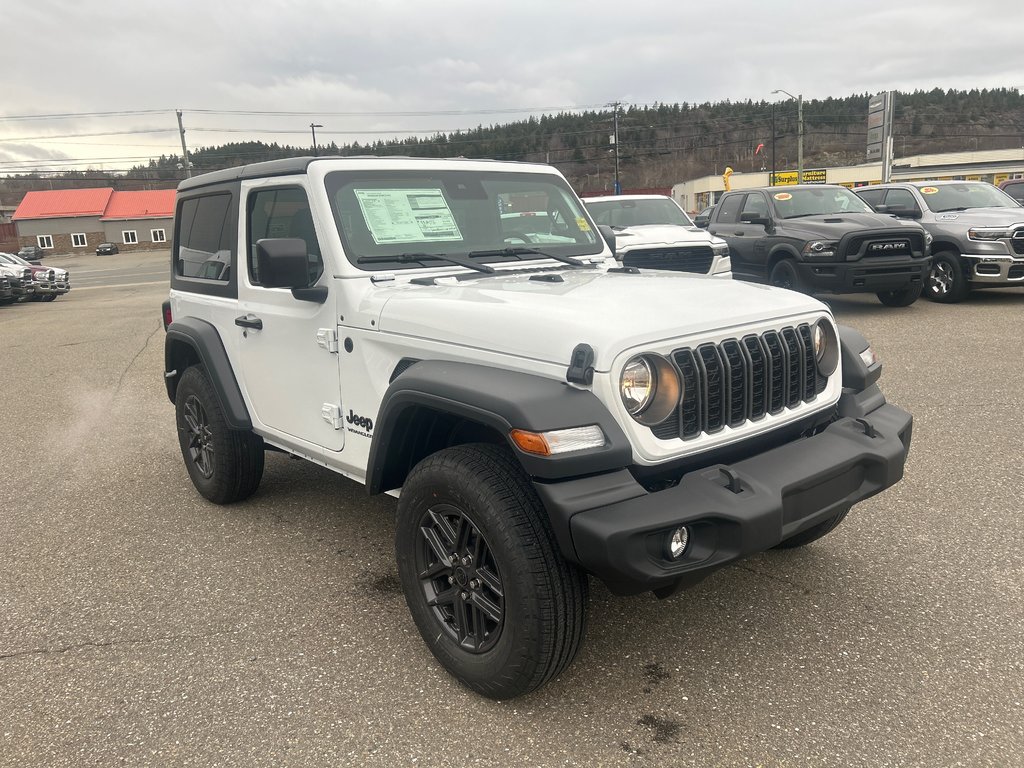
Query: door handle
x=249, y=321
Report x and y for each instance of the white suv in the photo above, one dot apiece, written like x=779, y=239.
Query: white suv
x=652, y=231
x=542, y=413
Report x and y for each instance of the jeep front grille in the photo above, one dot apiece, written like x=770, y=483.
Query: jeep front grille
x=741, y=380
x=692, y=259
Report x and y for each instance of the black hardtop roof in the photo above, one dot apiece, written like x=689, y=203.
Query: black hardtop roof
x=291, y=166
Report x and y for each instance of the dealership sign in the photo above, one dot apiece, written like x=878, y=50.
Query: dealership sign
x=811, y=176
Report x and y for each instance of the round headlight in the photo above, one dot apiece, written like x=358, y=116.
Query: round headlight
x=650, y=388
x=636, y=386
x=826, y=347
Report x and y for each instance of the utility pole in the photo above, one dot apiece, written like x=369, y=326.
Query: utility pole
x=772, y=181
x=184, y=148
x=800, y=138
x=615, y=142
x=313, y=127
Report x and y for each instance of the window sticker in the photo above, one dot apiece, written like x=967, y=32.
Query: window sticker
x=783, y=196
x=407, y=215
x=929, y=190
x=582, y=225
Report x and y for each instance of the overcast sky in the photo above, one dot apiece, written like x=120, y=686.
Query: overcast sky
x=450, y=64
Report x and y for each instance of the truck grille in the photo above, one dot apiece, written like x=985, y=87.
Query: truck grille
x=692, y=259
x=741, y=380
x=1017, y=240
x=869, y=246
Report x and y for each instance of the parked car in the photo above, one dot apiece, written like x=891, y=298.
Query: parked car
x=106, y=249
x=51, y=282
x=821, y=238
x=541, y=412
x=6, y=293
x=653, y=232
x=701, y=219
x=32, y=253
x=1014, y=188
x=978, y=232
x=22, y=285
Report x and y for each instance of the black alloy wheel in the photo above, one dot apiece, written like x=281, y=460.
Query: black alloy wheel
x=784, y=275
x=460, y=578
x=199, y=437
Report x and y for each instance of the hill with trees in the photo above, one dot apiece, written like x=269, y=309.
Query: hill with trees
x=659, y=144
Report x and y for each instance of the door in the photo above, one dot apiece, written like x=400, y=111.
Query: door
x=288, y=347
x=727, y=226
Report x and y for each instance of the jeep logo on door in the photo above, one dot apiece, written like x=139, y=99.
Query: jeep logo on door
x=889, y=246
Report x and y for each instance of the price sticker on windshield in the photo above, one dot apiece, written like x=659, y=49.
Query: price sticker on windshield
x=582, y=225
x=929, y=190
x=783, y=196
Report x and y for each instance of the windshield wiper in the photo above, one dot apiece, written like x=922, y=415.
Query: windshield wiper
x=408, y=258
x=520, y=251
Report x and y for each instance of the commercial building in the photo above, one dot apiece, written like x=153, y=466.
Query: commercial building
x=77, y=220
x=993, y=166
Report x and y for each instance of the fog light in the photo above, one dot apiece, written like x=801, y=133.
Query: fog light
x=678, y=541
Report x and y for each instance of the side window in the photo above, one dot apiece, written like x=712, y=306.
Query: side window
x=729, y=209
x=756, y=204
x=283, y=212
x=205, y=241
x=872, y=197
x=901, y=198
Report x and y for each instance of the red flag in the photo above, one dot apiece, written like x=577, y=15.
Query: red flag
x=759, y=148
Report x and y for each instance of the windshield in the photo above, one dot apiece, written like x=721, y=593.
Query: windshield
x=12, y=258
x=457, y=214
x=638, y=213
x=960, y=197
x=809, y=201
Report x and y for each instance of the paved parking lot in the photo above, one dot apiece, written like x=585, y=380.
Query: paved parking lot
x=144, y=626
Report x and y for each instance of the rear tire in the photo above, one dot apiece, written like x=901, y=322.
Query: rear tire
x=784, y=275
x=903, y=297
x=946, y=282
x=488, y=590
x=225, y=465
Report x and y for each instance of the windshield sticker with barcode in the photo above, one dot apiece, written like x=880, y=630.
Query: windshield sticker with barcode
x=407, y=215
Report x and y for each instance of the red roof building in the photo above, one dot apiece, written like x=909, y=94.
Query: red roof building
x=76, y=220
x=60, y=203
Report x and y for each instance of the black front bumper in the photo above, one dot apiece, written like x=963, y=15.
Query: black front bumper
x=871, y=274
x=616, y=530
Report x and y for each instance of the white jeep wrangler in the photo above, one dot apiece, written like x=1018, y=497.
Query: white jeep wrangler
x=542, y=413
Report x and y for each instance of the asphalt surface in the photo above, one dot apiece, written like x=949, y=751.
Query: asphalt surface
x=144, y=626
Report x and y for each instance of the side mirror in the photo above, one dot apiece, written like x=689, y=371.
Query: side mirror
x=701, y=221
x=609, y=236
x=753, y=218
x=282, y=263
x=900, y=212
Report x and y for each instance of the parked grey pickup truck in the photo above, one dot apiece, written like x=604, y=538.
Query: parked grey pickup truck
x=821, y=238
x=978, y=232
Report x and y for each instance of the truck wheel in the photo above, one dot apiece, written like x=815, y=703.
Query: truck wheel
x=225, y=465
x=487, y=588
x=903, y=297
x=814, y=533
x=946, y=281
x=784, y=275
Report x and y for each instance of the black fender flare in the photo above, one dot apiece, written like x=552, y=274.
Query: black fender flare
x=857, y=376
x=202, y=337
x=779, y=252
x=501, y=400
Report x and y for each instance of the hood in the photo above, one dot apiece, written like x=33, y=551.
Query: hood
x=661, y=235
x=610, y=311
x=982, y=217
x=833, y=226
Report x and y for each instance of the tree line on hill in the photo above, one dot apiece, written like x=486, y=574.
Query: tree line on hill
x=658, y=145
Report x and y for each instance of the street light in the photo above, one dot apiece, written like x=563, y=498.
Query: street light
x=313, y=127
x=799, y=99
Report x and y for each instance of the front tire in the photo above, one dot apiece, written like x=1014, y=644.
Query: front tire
x=488, y=590
x=225, y=465
x=903, y=297
x=784, y=275
x=946, y=281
